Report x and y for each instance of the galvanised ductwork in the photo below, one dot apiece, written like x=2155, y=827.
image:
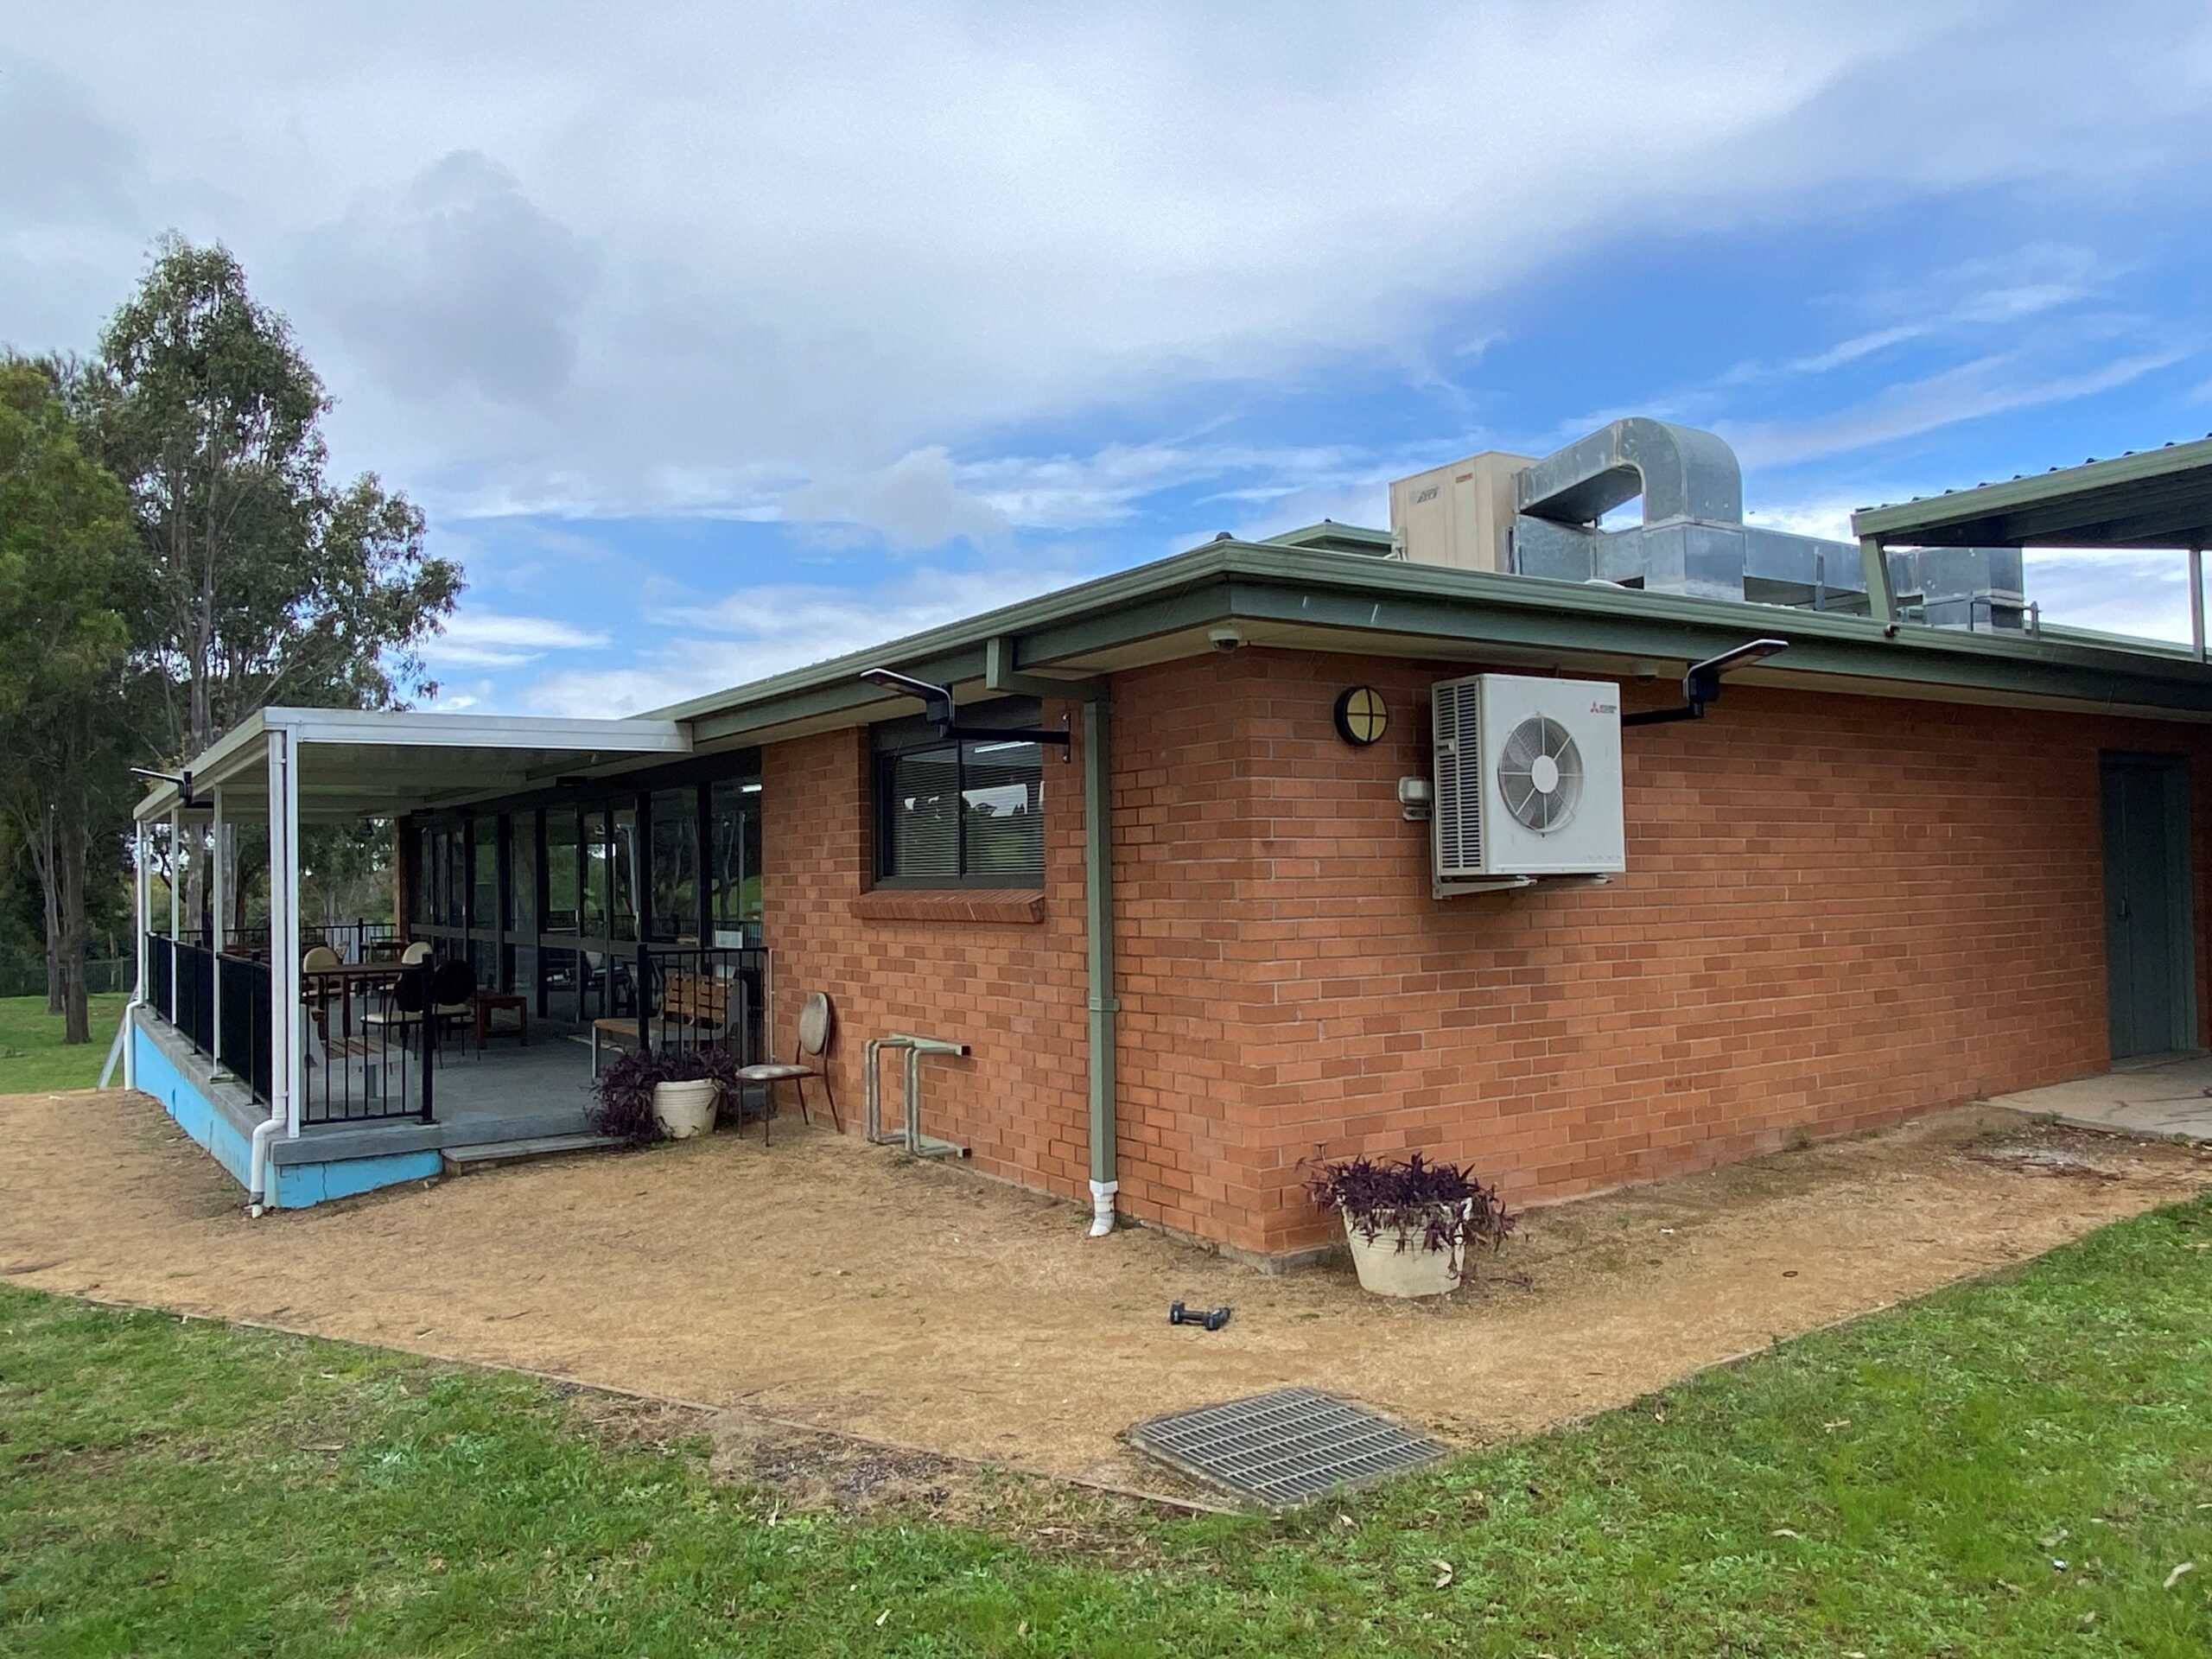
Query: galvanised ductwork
x=1680, y=473
x=1694, y=540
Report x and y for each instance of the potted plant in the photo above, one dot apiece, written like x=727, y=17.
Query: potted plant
x=644, y=1096
x=1409, y=1225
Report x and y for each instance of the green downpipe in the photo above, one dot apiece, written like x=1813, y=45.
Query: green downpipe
x=1098, y=934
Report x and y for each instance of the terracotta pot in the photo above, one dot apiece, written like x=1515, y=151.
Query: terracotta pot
x=686, y=1109
x=1386, y=1270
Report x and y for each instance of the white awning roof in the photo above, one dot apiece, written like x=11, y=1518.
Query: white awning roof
x=355, y=764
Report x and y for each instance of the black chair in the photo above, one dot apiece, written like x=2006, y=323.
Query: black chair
x=453, y=995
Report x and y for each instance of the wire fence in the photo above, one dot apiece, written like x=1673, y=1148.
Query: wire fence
x=29, y=978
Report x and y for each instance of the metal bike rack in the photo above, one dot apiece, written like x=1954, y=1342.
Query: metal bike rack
x=909, y=1133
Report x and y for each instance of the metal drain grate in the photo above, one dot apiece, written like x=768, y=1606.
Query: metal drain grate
x=1285, y=1448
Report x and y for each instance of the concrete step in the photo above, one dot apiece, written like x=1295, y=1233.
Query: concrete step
x=460, y=1160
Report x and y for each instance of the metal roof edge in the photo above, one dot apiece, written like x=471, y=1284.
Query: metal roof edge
x=1901, y=518
x=1434, y=600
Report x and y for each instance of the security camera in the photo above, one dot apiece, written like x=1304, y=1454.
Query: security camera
x=1225, y=639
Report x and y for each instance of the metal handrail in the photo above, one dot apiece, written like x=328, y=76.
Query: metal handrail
x=910, y=1131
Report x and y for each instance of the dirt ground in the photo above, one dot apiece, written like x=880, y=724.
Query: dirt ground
x=821, y=1281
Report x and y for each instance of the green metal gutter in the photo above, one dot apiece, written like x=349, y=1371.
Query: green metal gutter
x=1225, y=580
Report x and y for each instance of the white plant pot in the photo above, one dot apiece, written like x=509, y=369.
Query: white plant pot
x=1386, y=1270
x=686, y=1109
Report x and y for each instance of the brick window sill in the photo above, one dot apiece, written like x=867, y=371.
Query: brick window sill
x=1002, y=907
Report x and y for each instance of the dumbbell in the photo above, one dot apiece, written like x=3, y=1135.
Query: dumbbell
x=1212, y=1319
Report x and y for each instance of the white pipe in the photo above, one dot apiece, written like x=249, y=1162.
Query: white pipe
x=143, y=895
x=1101, y=1207
x=284, y=1069
x=216, y=896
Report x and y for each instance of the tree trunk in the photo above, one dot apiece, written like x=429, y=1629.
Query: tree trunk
x=76, y=1018
x=43, y=858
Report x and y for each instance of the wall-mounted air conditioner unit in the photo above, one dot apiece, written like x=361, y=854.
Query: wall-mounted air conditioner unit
x=1527, y=779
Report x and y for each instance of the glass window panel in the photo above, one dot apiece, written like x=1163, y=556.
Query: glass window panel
x=484, y=884
x=922, y=814
x=734, y=824
x=594, y=894
x=1003, y=828
x=563, y=900
x=521, y=959
x=456, y=877
x=626, y=895
x=675, y=909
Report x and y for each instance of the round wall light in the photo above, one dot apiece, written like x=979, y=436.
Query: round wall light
x=1361, y=717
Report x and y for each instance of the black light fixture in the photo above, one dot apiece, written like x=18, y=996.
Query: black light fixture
x=937, y=708
x=1701, y=685
x=182, y=779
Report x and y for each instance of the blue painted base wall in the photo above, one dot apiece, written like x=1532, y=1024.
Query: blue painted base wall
x=293, y=1187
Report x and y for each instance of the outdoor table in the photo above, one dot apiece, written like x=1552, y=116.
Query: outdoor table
x=486, y=1001
x=345, y=974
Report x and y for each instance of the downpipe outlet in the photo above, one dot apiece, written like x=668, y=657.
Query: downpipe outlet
x=258, y=1172
x=1101, y=1207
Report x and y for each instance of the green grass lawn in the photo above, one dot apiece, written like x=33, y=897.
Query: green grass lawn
x=2013, y=1466
x=32, y=1058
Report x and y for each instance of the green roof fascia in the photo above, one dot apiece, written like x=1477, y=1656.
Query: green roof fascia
x=1257, y=582
x=1899, y=524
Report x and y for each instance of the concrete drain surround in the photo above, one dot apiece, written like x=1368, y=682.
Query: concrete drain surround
x=1287, y=1448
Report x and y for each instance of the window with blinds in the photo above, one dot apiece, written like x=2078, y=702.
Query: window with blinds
x=964, y=814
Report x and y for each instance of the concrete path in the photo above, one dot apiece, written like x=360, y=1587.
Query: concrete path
x=2172, y=1098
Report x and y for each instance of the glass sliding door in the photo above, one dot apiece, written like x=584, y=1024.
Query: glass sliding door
x=484, y=906
x=734, y=830
x=562, y=969
x=520, y=952
x=673, y=915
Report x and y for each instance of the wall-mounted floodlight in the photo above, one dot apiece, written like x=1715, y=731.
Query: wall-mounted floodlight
x=182, y=779
x=937, y=708
x=936, y=700
x=1701, y=685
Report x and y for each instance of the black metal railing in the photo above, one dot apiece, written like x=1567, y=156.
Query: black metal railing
x=372, y=1036
x=370, y=1031
x=242, y=1043
x=193, y=1013
x=355, y=941
x=693, y=996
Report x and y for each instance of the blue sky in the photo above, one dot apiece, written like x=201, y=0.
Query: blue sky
x=716, y=346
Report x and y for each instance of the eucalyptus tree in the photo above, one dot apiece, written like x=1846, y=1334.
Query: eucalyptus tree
x=266, y=580
x=68, y=580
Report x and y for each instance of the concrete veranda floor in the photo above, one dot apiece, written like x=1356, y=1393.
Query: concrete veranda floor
x=2165, y=1099
x=827, y=1281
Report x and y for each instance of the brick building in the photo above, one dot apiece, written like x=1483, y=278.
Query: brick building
x=1925, y=850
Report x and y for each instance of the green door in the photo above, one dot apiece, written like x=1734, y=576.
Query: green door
x=2150, y=933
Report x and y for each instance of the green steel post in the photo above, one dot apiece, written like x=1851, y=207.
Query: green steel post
x=1881, y=602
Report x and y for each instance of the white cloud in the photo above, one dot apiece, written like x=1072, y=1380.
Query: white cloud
x=488, y=640
x=696, y=262
x=762, y=630
x=1986, y=386
x=2146, y=594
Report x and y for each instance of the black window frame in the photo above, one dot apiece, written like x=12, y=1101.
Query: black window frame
x=892, y=739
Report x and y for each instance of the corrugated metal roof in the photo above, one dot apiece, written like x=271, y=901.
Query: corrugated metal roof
x=2147, y=498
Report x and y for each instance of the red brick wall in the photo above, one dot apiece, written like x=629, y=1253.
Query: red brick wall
x=1013, y=990
x=1838, y=911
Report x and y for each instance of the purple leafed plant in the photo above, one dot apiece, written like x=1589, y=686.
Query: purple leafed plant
x=623, y=1102
x=1440, y=1204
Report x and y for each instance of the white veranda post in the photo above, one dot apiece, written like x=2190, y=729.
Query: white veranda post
x=287, y=1057
x=177, y=871
x=142, y=884
x=217, y=877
